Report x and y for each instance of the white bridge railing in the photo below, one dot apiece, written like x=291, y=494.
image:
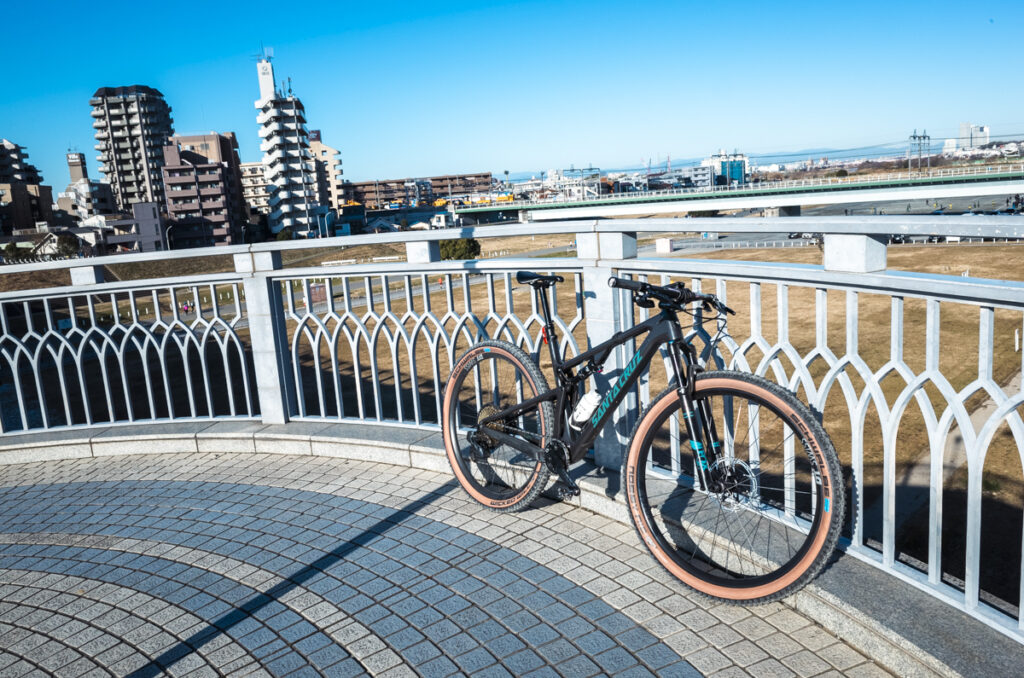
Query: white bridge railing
x=917, y=377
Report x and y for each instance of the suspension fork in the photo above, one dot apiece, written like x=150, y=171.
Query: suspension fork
x=700, y=424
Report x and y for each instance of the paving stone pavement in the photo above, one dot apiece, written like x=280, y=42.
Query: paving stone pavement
x=216, y=564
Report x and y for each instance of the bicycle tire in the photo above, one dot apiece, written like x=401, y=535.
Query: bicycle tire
x=495, y=475
x=720, y=542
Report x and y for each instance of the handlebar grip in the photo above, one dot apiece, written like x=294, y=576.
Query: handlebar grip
x=622, y=283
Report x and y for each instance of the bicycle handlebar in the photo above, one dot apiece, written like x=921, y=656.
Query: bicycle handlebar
x=675, y=293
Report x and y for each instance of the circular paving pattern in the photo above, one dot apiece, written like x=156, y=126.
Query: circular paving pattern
x=189, y=565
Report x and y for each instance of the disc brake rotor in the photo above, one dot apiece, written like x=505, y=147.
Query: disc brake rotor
x=740, y=484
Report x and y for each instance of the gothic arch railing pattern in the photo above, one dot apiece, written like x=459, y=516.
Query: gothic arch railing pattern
x=379, y=346
x=125, y=355
x=929, y=422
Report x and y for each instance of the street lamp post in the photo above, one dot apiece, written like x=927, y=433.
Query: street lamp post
x=167, y=240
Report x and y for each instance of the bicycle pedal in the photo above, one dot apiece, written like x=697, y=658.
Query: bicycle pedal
x=562, y=492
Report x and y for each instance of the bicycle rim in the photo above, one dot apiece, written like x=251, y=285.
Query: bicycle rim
x=488, y=380
x=768, y=526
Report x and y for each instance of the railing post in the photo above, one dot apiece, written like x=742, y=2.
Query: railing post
x=423, y=252
x=86, y=275
x=263, y=308
x=604, y=318
x=854, y=253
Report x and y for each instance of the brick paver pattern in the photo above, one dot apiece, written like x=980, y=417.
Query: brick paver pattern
x=206, y=565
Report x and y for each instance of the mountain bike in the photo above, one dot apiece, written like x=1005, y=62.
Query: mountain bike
x=731, y=481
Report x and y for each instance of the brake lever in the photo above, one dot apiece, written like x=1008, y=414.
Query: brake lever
x=643, y=302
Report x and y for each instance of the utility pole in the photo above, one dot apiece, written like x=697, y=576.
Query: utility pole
x=923, y=143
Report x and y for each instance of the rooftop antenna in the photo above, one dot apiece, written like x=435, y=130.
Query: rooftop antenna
x=265, y=53
x=289, y=86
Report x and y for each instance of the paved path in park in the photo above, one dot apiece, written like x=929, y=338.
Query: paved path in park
x=206, y=565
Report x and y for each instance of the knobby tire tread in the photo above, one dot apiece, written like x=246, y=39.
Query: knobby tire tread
x=546, y=414
x=828, y=452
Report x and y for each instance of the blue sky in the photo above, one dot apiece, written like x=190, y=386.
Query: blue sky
x=412, y=89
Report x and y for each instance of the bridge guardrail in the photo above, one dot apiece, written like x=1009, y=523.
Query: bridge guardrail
x=764, y=186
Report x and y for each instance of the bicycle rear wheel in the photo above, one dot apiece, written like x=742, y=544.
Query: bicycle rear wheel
x=770, y=520
x=489, y=378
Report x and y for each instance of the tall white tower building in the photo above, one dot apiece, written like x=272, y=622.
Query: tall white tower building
x=287, y=163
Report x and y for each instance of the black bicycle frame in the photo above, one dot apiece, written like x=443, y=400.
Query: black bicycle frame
x=662, y=329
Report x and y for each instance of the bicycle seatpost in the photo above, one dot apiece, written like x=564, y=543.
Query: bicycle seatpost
x=549, y=327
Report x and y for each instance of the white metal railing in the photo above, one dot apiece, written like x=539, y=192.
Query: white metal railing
x=982, y=173
x=926, y=452
x=917, y=375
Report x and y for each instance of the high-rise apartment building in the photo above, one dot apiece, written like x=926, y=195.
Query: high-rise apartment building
x=287, y=161
x=14, y=165
x=203, y=181
x=255, y=190
x=328, y=171
x=133, y=124
x=24, y=201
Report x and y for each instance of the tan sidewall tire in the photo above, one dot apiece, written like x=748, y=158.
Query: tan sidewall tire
x=645, y=531
x=468, y=484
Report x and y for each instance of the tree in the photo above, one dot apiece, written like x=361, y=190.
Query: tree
x=284, y=234
x=67, y=245
x=11, y=251
x=463, y=248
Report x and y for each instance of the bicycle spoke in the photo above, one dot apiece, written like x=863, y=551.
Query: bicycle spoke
x=757, y=514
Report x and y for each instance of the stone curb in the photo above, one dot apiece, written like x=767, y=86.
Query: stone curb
x=903, y=629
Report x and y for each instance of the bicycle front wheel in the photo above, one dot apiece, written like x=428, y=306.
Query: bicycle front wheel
x=488, y=379
x=764, y=517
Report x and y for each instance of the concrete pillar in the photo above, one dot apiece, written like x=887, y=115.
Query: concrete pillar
x=422, y=252
x=601, y=307
x=606, y=245
x=603, y=313
x=263, y=307
x=789, y=211
x=86, y=275
x=854, y=253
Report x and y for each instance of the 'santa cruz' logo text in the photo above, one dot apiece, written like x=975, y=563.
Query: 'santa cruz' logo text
x=610, y=396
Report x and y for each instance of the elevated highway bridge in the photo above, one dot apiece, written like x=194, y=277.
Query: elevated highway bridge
x=787, y=196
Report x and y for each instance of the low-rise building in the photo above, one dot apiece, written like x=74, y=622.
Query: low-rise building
x=84, y=197
x=141, y=231
x=382, y=193
x=729, y=168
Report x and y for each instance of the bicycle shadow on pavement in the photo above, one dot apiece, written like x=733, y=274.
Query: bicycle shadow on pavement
x=160, y=664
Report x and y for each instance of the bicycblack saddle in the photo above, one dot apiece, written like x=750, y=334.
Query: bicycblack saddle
x=536, y=279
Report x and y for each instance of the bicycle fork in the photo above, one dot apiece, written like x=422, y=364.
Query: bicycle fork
x=698, y=420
